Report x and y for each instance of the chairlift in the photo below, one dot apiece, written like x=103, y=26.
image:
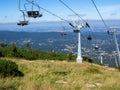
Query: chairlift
x=87, y=25
x=24, y=22
x=76, y=31
x=96, y=47
x=71, y=25
x=33, y=13
x=63, y=33
x=89, y=37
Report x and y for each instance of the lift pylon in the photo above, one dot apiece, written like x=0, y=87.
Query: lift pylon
x=77, y=29
x=114, y=33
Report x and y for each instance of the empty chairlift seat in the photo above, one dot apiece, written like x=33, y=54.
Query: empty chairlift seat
x=22, y=23
x=34, y=14
x=96, y=47
x=76, y=31
x=89, y=37
x=63, y=33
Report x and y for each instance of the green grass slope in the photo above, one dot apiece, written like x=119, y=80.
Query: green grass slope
x=61, y=75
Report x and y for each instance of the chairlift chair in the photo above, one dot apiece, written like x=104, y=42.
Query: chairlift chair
x=63, y=33
x=33, y=13
x=96, y=47
x=89, y=37
x=22, y=23
x=87, y=25
x=76, y=31
x=71, y=25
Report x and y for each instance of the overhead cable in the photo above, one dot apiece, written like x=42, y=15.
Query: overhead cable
x=54, y=14
x=49, y=12
x=72, y=10
x=76, y=14
x=100, y=16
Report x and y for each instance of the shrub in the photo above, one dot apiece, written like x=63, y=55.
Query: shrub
x=3, y=44
x=9, y=68
x=71, y=56
x=87, y=59
x=13, y=50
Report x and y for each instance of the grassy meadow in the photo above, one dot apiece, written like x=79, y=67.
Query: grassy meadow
x=61, y=75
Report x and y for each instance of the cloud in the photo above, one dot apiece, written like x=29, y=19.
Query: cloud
x=113, y=14
x=110, y=9
x=82, y=15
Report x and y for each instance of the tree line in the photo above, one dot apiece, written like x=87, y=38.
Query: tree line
x=12, y=50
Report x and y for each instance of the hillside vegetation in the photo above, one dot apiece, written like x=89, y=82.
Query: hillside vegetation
x=61, y=75
x=12, y=50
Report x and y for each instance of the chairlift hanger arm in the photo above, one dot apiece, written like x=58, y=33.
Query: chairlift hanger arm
x=31, y=2
x=23, y=15
x=19, y=6
x=23, y=22
x=22, y=11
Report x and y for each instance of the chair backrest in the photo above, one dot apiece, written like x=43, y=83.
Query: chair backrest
x=34, y=14
x=22, y=23
x=89, y=38
x=76, y=31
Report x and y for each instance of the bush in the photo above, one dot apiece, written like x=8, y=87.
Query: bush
x=71, y=56
x=87, y=59
x=9, y=68
x=13, y=50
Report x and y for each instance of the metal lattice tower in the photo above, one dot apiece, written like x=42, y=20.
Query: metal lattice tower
x=114, y=33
